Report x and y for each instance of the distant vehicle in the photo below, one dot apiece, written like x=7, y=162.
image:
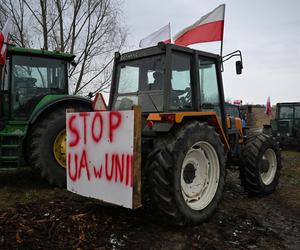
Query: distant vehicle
x=234, y=110
x=286, y=125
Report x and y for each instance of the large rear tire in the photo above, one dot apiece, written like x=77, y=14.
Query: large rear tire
x=188, y=173
x=261, y=165
x=48, y=145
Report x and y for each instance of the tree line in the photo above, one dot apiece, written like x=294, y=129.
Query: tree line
x=90, y=29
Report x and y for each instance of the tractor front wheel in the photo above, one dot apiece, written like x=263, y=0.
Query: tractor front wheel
x=188, y=173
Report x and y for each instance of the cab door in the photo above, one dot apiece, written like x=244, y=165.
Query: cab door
x=210, y=94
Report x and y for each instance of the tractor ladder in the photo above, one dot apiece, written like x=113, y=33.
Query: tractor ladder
x=10, y=150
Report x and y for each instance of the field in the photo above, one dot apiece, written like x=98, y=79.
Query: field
x=34, y=215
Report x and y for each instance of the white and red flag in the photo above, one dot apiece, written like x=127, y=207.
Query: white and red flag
x=161, y=35
x=268, y=107
x=208, y=28
x=4, y=39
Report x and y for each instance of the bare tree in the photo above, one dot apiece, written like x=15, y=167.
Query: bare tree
x=90, y=29
x=15, y=10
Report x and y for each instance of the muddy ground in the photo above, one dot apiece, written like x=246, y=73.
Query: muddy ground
x=34, y=215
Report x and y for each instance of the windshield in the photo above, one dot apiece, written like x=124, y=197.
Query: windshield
x=38, y=72
x=232, y=110
x=286, y=112
x=34, y=77
x=141, y=82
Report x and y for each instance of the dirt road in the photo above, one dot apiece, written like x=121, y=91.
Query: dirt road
x=36, y=216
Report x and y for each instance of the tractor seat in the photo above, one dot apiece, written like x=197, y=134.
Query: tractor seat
x=24, y=82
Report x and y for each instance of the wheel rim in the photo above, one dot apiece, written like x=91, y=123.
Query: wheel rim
x=59, y=148
x=268, y=175
x=200, y=175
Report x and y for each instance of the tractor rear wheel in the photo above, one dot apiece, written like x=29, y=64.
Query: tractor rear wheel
x=188, y=173
x=48, y=145
x=261, y=164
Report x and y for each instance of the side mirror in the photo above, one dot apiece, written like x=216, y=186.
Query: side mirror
x=238, y=67
x=73, y=63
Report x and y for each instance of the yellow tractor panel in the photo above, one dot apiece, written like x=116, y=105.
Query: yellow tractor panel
x=238, y=125
x=209, y=117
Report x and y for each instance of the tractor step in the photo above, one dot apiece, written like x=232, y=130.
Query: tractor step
x=10, y=150
x=9, y=162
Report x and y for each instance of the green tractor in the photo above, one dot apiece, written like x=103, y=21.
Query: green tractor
x=286, y=125
x=33, y=103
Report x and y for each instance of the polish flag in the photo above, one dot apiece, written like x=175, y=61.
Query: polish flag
x=268, y=107
x=161, y=35
x=4, y=39
x=208, y=28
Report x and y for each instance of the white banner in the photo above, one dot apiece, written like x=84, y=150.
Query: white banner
x=100, y=155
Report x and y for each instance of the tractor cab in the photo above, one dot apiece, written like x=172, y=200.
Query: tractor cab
x=168, y=79
x=187, y=139
x=28, y=76
x=286, y=126
x=33, y=101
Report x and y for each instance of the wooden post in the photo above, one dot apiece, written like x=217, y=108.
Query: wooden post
x=137, y=184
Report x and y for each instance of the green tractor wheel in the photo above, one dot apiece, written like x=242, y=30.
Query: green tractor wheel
x=60, y=149
x=47, y=144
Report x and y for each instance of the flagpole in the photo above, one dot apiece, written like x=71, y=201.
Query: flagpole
x=170, y=32
x=221, y=49
x=221, y=54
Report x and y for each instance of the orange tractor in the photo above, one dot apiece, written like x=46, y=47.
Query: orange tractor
x=187, y=140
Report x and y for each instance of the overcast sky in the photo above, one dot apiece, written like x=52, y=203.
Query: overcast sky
x=267, y=33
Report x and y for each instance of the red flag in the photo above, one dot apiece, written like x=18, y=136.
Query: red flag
x=268, y=107
x=208, y=28
x=4, y=39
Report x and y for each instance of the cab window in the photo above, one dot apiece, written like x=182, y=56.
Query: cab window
x=286, y=112
x=180, y=97
x=209, y=90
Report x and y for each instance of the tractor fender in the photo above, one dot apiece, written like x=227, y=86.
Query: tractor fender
x=176, y=118
x=49, y=106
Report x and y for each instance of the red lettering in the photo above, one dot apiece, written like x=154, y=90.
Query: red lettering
x=115, y=120
x=119, y=168
x=84, y=164
x=97, y=117
x=98, y=172
x=128, y=169
x=131, y=172
x=74, y=131
x=109, y=176
x=72, y=177
x=84, y=115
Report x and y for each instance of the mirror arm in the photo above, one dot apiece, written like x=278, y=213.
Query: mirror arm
x=232, y=54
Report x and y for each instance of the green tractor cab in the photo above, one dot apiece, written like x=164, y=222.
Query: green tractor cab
x=286, y=125
x=33, y=102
